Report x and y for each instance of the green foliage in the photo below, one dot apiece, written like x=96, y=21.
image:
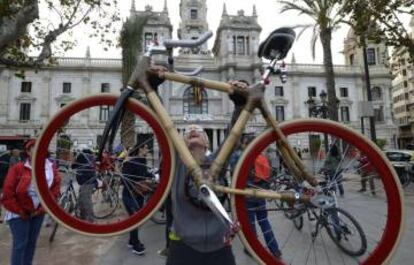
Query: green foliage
x=131, y=43
x=380, y=20
x=45, y=28
x=326, y=16
x=381, y=143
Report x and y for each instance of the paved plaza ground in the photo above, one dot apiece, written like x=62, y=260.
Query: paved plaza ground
x=70, y=248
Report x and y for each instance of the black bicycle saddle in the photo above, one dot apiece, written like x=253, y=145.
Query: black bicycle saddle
x=278, y=44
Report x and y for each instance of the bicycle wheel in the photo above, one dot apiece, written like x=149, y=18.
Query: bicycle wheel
x=384, y=201
x=159, y=217
x=345, y=231
x=65, y=203
x=105, y=202
x=71, y=134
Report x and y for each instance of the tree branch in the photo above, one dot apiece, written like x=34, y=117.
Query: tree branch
x=12, y=28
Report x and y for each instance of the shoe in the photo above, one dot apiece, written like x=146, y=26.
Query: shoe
x=373, y=193
x=362, y=190
x=163, y=252
x=138, y=249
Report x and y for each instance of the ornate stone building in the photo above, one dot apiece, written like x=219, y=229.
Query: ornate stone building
x=26, y=105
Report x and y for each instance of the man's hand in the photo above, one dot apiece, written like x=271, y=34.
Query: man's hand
x=237, y=97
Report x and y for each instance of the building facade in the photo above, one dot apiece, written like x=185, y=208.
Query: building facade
x=26, y=105
x=403, y=94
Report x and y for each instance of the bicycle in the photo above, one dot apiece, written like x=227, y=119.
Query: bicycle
x=165, y=140
x=68, y=202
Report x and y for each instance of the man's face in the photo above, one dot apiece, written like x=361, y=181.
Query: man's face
x=195, y=137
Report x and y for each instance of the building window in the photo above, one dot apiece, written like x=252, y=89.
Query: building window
x=105, y=88
x=404, y=72
x=67, y=88
x=26, y=87
x=25, y=111
x=149, y=39
x=278, y=91
x=371, y=56
x=344, y=92
x=379, y=114
x=345, y=114
x=376, y=93
x=405, y=84
x=193, y=13
x=280, y=113
x=311, y=91
x=240, y=45
x=104, y=112
x=190, y=105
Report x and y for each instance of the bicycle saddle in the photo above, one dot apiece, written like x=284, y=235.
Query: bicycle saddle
x=277, y=45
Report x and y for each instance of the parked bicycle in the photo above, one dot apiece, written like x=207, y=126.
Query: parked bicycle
x=312, y=134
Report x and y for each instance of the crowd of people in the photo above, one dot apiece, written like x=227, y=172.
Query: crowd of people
x=194, y=233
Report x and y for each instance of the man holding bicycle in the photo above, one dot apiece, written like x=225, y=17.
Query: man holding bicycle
x=197, y=233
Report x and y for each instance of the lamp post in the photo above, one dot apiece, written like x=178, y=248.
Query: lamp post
x=321, y=110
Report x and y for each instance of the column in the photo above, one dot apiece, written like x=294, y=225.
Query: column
x=46, y=99
x=221, y=136
x=4, y=99
x=214, y=139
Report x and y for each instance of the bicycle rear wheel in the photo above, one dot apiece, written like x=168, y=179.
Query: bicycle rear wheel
x=74, y=132
x=297, y=246
x=345, y=231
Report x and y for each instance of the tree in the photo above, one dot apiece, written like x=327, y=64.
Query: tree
x=34, y=27
x=386, y=14
x=326, y=16
x=131, y=44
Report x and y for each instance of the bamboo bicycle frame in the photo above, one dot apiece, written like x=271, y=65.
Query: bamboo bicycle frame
x=254, y=95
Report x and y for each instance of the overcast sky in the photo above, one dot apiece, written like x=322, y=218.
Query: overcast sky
x=269, y=18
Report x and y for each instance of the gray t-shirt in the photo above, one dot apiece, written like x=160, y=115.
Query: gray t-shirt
x=199, y=228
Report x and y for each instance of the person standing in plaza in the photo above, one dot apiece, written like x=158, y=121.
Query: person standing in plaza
x=256, y=208
x=84, y=167
x=332, y=169
x=15, y=157
x=136, y=179
x=24, y=213
x=368, y=172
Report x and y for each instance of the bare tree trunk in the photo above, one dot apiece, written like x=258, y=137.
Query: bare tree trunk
x=326, y=38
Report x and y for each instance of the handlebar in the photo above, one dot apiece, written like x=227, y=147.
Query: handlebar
x=188, y=43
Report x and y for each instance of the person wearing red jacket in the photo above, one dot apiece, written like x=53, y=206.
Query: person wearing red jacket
x=24, y=213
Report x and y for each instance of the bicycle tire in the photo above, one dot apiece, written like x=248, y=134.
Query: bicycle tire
x=405, y=179
x=338, y=238
x=388, y=235
x=110, y=197
x=66, y=205
x=69, y=116
x=159, y=217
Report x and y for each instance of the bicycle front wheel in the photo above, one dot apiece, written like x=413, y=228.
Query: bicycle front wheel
x=360, y=180
x=71, y=138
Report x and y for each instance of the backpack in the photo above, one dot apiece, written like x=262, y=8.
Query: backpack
x=262, y=169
